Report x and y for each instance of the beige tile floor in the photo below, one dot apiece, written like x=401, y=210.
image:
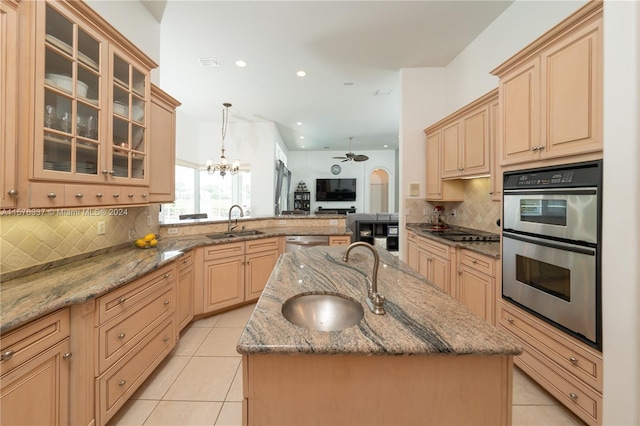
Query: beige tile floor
x=200, y=383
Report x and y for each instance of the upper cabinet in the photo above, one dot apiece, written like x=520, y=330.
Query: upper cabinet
x=551, y=93
x=85, y=120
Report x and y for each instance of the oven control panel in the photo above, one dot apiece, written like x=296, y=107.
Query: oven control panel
x=571, y=176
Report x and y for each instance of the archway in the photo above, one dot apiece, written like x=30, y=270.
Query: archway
x=379, y=191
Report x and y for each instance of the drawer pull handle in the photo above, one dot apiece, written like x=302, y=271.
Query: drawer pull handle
x=99, y=195
x=166, y=302
x=121, y=336
x=52, y=195
x=474, y=261
x=116, y=195
x=510, y=320
x=185, y=261
x=573, y=360
x=573, y=396
x=122, y=382
x=122, y=300
x=166, y=339
x=130, y=195
x=67, y=355
x=79, y=195
x=6, y=355
x=167, y=275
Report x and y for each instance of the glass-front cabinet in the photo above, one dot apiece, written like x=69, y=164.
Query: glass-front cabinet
x=91, y=103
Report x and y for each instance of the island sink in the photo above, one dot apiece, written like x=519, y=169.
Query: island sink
x=322, y=312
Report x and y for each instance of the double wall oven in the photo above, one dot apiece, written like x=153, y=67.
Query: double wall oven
x=551, y=243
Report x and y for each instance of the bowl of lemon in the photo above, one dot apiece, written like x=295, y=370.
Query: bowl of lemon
x=148, y=241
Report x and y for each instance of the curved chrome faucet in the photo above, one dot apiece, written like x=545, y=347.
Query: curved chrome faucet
x=375, y=300
x=229, y=227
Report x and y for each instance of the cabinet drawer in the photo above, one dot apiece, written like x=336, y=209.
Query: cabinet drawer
x=434, y=248
x=339, y=240
x=87, y=195
x=223, y=250
x=476, y=261
x=135, y=195
x=121, y=381
x=46, y=195
x=118, y=336
x=577, y=359
x=185, y=261
x=28, y=341
x=579, y=398
x=412, y=238
x=125, y=298
x=263, y=244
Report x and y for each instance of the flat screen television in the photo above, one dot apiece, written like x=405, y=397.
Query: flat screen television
x=335, y=189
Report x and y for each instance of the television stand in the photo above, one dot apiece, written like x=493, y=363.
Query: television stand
x=330, y=210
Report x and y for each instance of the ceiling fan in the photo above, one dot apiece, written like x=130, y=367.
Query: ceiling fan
x=350, y=156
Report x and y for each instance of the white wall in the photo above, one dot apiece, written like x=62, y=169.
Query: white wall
x=621, y=275
x=309, y=165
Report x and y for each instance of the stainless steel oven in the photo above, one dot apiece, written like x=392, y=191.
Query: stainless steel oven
x=551, y=246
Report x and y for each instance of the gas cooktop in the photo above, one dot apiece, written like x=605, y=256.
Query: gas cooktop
x=459, y=235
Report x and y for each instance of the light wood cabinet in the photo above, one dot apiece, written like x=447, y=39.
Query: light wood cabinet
x=567, y=368
x=412, y=250
x=184, y=291
x=451, y=149
x=339, y=240
x=496, y=171
x=437, y=189
x=162, y=146
x=9, y=66
x=237, y=272
x=434, y=263
x=135, y=330
x=551, y=93
x=35, y=366
x=476, y=285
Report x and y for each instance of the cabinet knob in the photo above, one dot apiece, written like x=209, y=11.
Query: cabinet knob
x=5, y=356
x=459, y=272
x=116, y=195
x=67, y=355
x=573, y=360
x=185, y=260
x=79, y=195
x=13, y=192
x=52, y=195
x=510, y=320
x=122, y=300
x=99, y=195
x=130, y=195
x=105, y=172
x=112, y=172
x=474, y=261
x=166, y=339
x=540, y=147
x=573, y=396
x=144, y=195
x=167, y=275
x=166, y=303
x=122, y=382
x=121, y=336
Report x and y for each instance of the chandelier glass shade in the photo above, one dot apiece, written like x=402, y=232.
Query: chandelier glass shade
x=223, y=166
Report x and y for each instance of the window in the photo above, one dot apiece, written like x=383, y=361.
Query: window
x=199, y=192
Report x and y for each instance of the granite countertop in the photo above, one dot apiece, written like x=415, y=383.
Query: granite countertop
x=62, y=284
x=491, y=249
x=420, y=318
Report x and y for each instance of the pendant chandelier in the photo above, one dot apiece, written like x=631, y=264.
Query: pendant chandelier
x=223, y=166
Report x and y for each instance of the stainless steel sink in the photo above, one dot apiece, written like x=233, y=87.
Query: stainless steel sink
x=322, y=312
x=247, y=232
x=220, y=236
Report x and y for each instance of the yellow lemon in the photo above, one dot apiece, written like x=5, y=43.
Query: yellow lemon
x=153, y=242
x=149, y=237
x=141, y=243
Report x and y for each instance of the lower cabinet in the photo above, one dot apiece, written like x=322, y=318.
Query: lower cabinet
x=184, y=291
x=434, y=263
x=476, y=284
x=567, y=368
x=135, y=330
x=237, y=272
x=339, y=240
x=35, y=372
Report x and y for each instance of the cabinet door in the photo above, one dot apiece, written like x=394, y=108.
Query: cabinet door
x=184, y=292
x=424, y=257
x=496, y=170
x=224, y=282
x=572, y=95
x=412, y=251
x=520, y=113
x=434, y=180
x=440, y=273
x=162, y=147
x=476, y=292
x=70, y=98
x=258, y=270
x=451, y=150
x=475, y=142
x=8, y=104
x=43, y=381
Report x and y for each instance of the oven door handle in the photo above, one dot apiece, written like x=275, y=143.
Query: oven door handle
x=548, y=243
x=551, y=191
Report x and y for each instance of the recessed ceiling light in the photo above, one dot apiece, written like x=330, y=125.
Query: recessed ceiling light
x=301, y=137
x=299, y=123
x=241, y=64
x=208, y=62
x=386, y=146
x=301, y=73
x=302, y=146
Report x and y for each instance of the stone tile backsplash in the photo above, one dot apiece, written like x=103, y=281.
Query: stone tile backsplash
x=27, y=241
x=476, y=212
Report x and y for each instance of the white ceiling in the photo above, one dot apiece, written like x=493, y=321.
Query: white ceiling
x=352, y=52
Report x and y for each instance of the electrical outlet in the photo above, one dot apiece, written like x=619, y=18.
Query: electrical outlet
x=333, y=221
x=172, y=231
x=101, y=228
x=282, y=222
x=149, y=220
x=454, y=212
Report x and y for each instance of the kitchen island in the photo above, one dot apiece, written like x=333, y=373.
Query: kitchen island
x=428, y=360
